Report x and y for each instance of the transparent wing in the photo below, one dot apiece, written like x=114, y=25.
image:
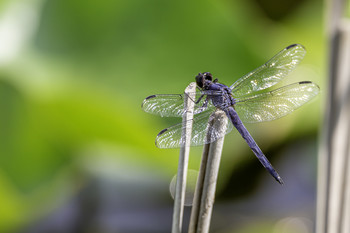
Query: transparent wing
x=172, y=105
x=271, y=72
x=164, y=105
x=202, y=132
x=275, y=104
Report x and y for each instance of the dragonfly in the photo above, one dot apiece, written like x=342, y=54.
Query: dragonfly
x=248, y=100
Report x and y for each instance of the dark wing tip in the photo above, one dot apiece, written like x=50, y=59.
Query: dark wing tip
x=309, y=82
x=147, y=98
x=305, y=82
x=160, y=133
x=291, y=46
x=294, y=45
x=150, y=97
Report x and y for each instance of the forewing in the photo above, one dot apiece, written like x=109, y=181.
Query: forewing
x=275, y=104
x=171, y=105
x=271, y=72
x=172, y=137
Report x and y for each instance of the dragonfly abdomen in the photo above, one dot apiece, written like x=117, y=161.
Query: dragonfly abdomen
x=238, y=124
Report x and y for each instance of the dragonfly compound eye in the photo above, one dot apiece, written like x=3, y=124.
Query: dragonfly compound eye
x=200, y=80
x=208, y=76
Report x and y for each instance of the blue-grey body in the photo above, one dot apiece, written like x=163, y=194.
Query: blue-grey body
x=226, y=102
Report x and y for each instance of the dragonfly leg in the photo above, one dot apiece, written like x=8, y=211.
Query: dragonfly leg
x=205, y=103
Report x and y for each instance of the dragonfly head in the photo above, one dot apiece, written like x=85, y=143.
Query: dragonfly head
x=202, y=78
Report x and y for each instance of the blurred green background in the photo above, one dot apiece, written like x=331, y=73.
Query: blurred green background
x=77, y=153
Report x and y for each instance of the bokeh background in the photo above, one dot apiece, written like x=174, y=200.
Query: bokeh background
x=77, y=153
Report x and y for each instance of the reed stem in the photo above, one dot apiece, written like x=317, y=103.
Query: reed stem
x=179, y=199
x=206, y=184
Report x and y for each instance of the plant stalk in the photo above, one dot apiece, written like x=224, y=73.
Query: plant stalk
x=206, y=184
x=179, y=199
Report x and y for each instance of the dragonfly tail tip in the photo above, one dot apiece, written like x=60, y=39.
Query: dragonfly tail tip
x=279, y=180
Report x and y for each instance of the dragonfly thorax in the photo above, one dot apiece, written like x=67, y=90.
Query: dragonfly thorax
x=218, y=93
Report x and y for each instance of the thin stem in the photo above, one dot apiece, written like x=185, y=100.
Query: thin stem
x=198, y=191
x=206, y=184
x=333, y=168
x=190, y=92
x=340, y=137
